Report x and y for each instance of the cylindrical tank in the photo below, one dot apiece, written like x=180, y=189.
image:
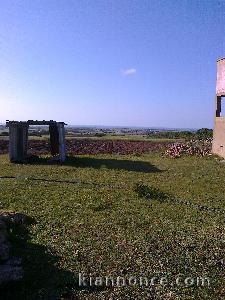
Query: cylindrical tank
x=220, y=82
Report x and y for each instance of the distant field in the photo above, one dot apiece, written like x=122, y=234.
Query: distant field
x=125, y=137
x=90, y=218
x=106, y=137
x=4, y=138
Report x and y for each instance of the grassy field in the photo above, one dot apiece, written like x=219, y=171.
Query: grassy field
x=106, y=137
x=137, y=137
x=88, y=216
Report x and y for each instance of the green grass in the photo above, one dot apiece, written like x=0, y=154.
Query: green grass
x=128, y=137
x=89, y=218
x=106, y=137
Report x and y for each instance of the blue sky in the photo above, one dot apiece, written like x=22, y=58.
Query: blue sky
x=121, y=62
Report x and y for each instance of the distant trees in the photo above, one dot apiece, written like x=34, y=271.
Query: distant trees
x=201, y=134
x=100, y=134
x=171, y=134
x=204, y=133
x=4, y=133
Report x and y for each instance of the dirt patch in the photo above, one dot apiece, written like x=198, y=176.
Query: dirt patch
x=95, y=147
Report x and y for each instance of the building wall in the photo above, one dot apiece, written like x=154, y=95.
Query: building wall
x=218, y=146
x=17, y=142
x=220, y=82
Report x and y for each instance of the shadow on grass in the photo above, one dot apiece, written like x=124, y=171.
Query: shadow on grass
x=152, y=193
x=98, y=163
x=43, y=279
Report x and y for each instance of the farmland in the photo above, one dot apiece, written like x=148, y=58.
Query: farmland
x=94, y=146
x=88, y=216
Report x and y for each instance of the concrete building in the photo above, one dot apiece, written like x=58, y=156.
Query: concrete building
x=218, y=146
x=18, y=139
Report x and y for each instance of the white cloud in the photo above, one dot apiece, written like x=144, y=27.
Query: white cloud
x=127, y=72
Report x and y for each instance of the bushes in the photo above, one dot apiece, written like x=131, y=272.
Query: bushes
x=200, y=134
x=204, y=133
x=193, y=147
x=4, y=133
